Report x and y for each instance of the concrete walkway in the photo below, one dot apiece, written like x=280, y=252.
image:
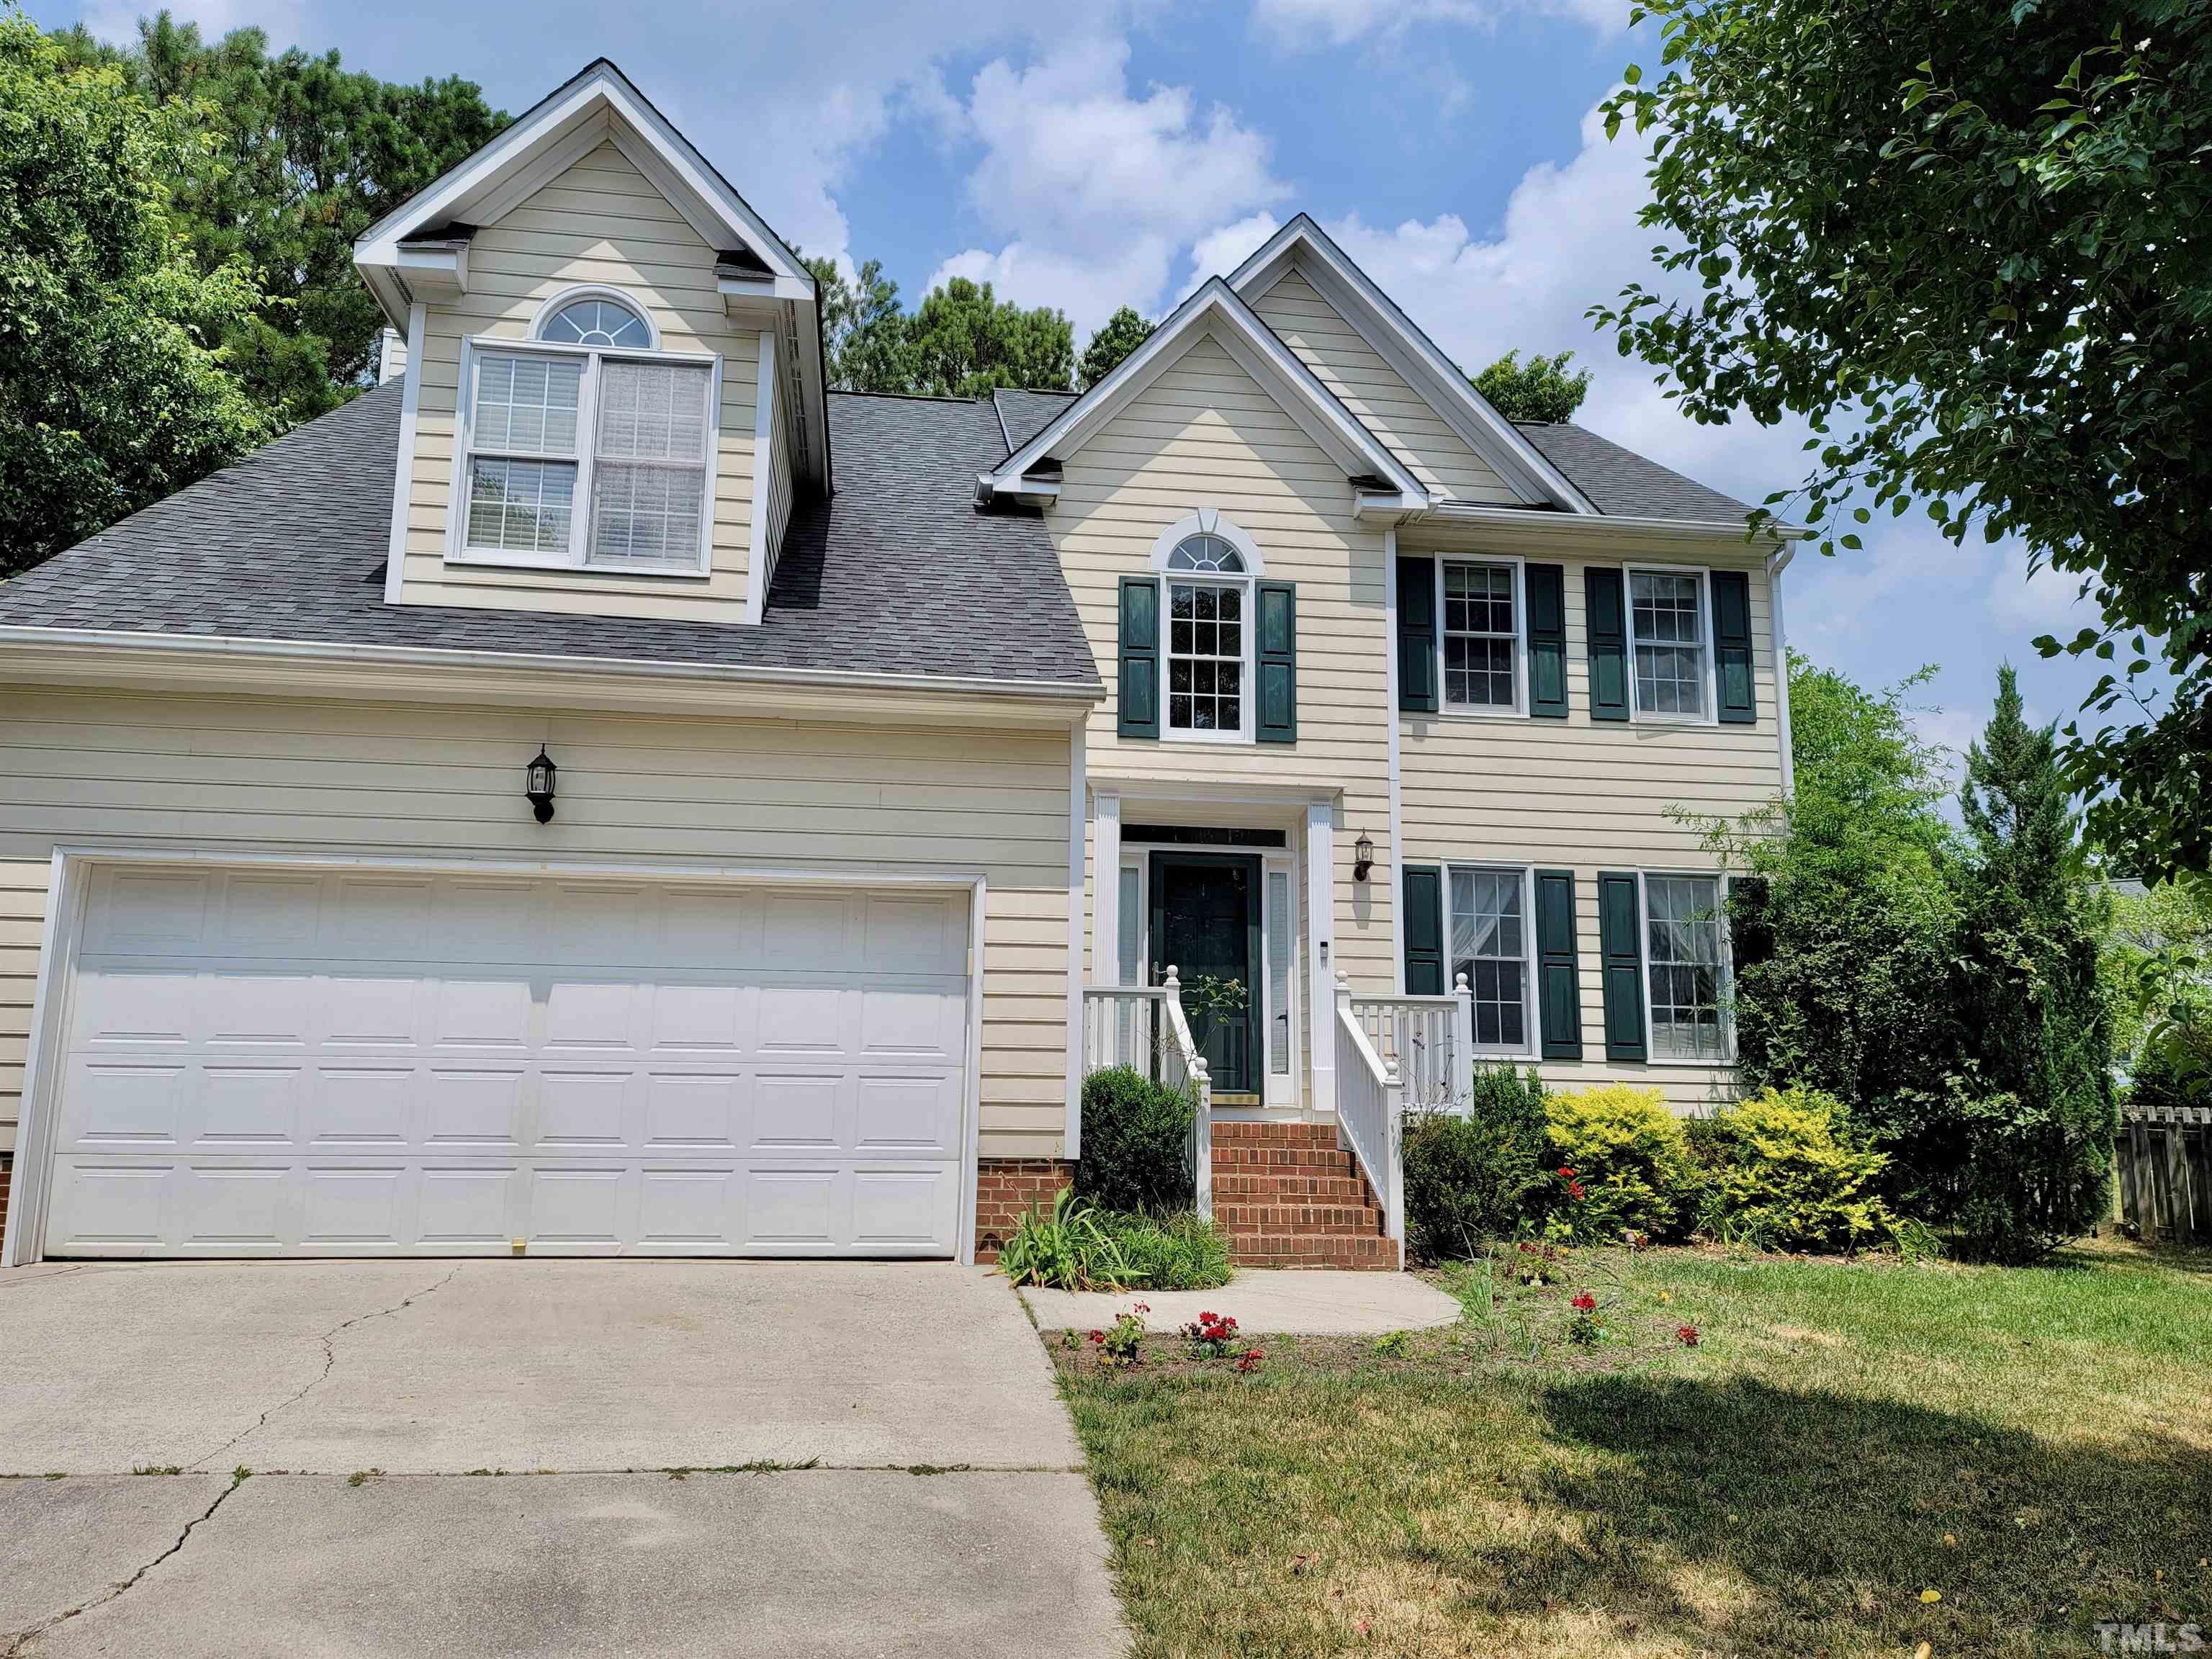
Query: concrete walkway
x=1263, y=1302
x=553, y=1460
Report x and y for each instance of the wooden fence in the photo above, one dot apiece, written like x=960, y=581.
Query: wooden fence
x=2164, y=1185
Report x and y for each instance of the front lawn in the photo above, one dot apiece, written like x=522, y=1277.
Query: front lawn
x=1855, y=1459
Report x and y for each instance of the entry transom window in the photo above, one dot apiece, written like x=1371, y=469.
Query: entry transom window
x=1686, y=964
x=1490, y=945
x=1208, y=660
x=1481, y=636
x=598, y=456
x=1666, y=624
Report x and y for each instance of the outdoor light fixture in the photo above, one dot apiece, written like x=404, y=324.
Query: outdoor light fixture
x=538, y=785
x=1362, y=858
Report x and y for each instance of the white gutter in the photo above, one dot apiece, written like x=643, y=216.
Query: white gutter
x=58, y=641
x=1775, y=566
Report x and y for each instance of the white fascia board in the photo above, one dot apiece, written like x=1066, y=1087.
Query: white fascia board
x=1539, y=523
x=756, y=289
x=598, y=104
x=438, y=269
x=1215, y=310
x=1418, y=360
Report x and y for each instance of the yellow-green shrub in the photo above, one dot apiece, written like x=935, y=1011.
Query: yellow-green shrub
x=1631, y=1156
x=1785, y=1172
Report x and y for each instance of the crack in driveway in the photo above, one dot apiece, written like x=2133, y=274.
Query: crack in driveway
x=24, y=1638
x=330, y=1363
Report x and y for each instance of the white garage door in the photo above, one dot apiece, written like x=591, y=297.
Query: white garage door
x=299, y=1063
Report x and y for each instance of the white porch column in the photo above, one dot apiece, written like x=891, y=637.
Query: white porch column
x=1321, y=955
x=1106, y=890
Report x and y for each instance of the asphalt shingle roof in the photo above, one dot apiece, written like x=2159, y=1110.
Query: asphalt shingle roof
x=1025, y=414
x=897, y=573
x=1623, y=484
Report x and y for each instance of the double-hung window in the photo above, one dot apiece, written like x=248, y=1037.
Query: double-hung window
x=1686, y=966
x=1209, y=639
x=1490, y=945
x=588, y=447
x=1670, y=641
x=1481, y=634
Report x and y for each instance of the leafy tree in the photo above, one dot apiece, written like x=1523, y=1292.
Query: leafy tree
x=1124, y=331
x=2025, y=1159
x=967, y=342
x=302, y=155
x=864, y=331
x=1541, y=389
x=113, y=390
x=2157, y=971
x=1843, y=917
x=1965, y=241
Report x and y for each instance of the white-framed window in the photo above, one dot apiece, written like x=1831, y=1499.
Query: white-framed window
x=1487, y=910
x=1482, y=634
x=1686, y=967
x=586, y=446
x=1670, y=643
x=1207, y=569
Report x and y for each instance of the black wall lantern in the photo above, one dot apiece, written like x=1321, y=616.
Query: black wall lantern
x=538, y=785
x=1362, y=858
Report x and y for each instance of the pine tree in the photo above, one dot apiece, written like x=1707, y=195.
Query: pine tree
x=2033, y=1110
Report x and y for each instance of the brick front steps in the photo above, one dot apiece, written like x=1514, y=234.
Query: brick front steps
x=1288, y=1196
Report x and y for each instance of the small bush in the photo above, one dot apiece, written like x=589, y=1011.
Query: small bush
x=1136, y=1144
x=1065, y=1249
x=1472, y=1179
x=1630, y=1155
x=1168, y=1253
x=1784, y=1170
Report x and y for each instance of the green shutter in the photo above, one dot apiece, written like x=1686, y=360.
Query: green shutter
x=1606, y=618
x=1424, y=888
x=1558, y=990
x=1279, y=662
x=1546, y=585
x=1140, y=657
x=1739, y=702
x=1417, y=636
x=1617, y=928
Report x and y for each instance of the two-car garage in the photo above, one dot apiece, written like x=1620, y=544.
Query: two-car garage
x=275, y=1058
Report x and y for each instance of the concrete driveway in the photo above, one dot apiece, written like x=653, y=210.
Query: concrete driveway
x=537, y=1458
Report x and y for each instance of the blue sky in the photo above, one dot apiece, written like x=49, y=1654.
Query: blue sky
x=1093, y=152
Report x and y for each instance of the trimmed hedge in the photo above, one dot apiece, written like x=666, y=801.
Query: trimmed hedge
x=1136, y=1144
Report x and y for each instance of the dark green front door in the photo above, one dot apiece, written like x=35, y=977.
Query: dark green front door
x=1205, y=920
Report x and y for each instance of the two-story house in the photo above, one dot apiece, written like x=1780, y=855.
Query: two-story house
x=604, y=790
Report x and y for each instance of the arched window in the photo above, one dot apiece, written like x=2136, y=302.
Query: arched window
x=589, y=446
x=595, y=321
x=1208, y=565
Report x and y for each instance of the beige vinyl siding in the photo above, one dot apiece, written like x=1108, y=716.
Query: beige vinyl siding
x=22, y=920
x=217, y=774
x=1343, y=362
x=599, y=222
x=1204, y=434
x=1591, y=795
x=779, y=486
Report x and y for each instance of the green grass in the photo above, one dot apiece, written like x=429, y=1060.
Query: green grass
x=1788, y=1486
x=1169, y=1253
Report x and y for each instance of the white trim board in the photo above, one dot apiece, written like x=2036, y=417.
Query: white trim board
x=27, y=1207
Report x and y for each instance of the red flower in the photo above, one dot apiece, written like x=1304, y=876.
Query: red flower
x=1248, y=1361
x=1565, y=1174
x=1687, y=1335
x=1574, y=1189
x=1584, y=1303
x=1098, y=1336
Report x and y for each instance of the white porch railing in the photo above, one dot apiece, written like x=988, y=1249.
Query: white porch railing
x=1371, y=1109
x=1432, y=1040
x=1143, y=1027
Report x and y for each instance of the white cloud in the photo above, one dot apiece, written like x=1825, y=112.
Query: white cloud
x=2046, y=602
x=1315, y=23
x=1220, y=251
x=1098, y=187
x=117, y=23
